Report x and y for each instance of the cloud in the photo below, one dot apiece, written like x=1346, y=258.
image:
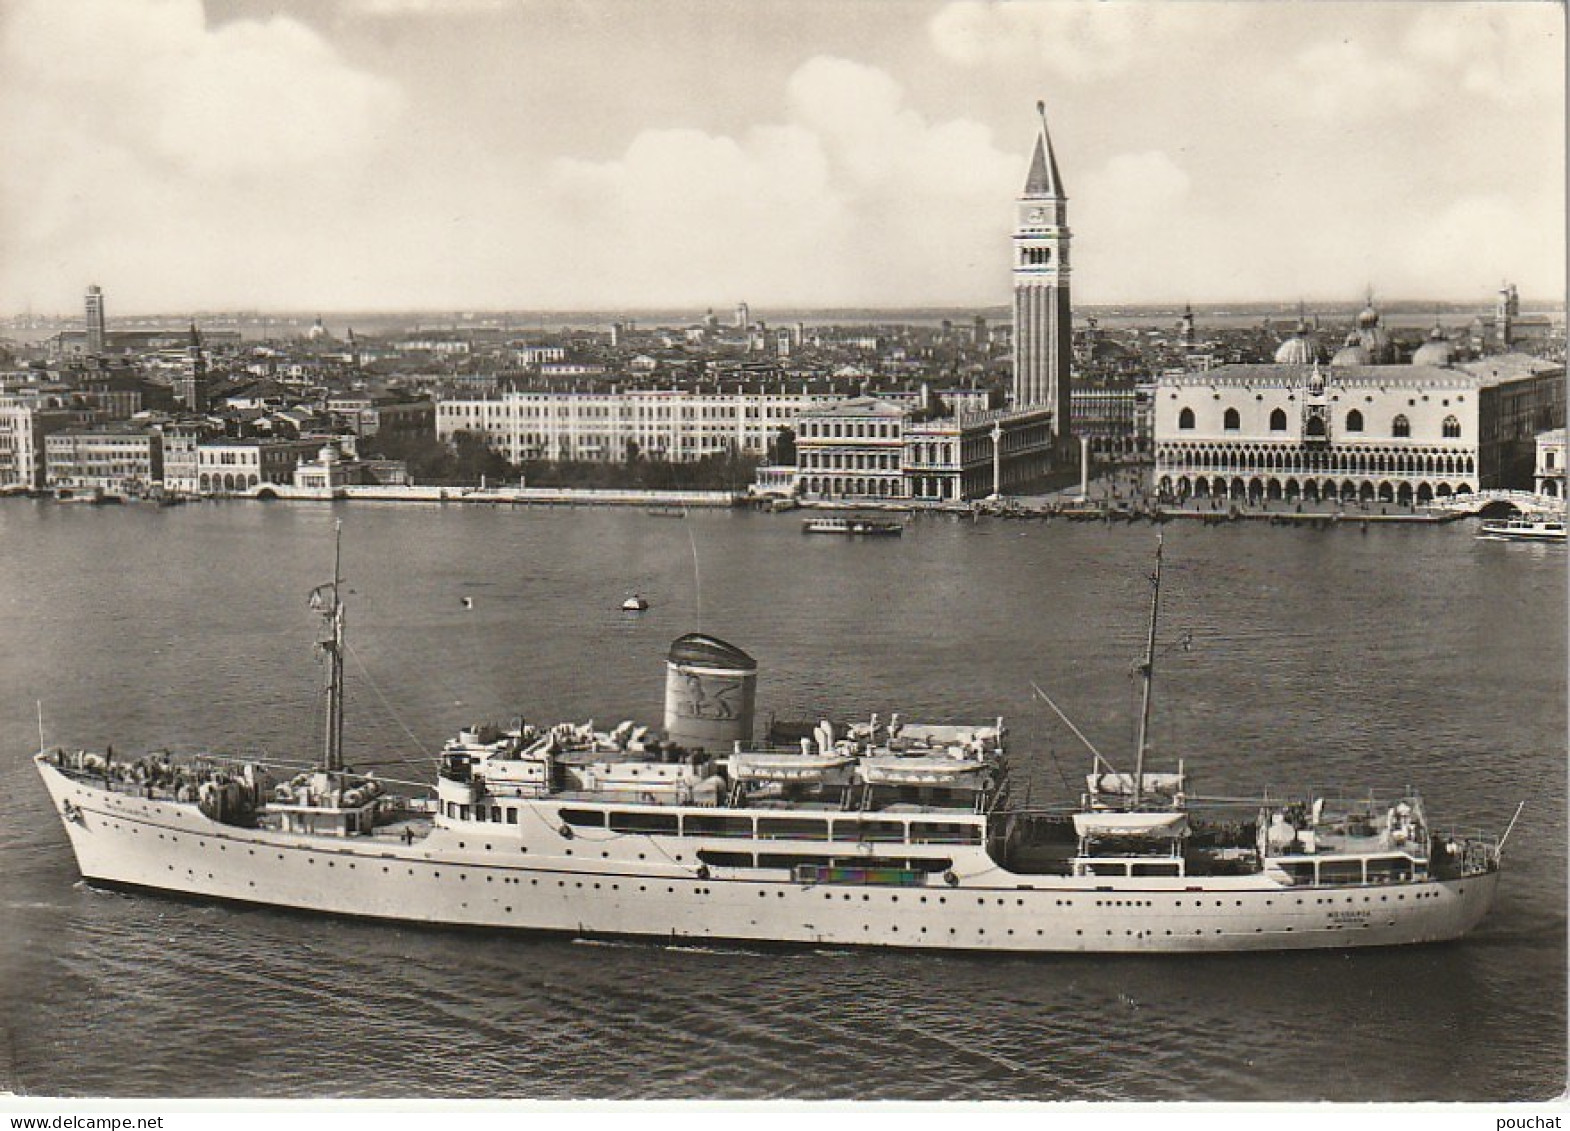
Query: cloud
x=1487, y=232
x=136, y=125
x=1075, y=40
x=1132, y=204
x=1509, y=55
x=383, y=8
x=853, y=194
x=1346, y=79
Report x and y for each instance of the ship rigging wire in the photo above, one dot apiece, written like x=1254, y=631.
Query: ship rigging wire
x=375, y=687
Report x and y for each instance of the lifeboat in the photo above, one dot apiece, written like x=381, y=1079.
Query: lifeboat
x=787, y=767
x=922, y=769
x=1111, y=822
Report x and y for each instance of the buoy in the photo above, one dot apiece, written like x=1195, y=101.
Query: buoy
x=468, y=602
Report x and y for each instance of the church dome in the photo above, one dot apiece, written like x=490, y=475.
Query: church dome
x=1299, y=349
x=1436, y=351
x=1352, y=353
x=1369, y=318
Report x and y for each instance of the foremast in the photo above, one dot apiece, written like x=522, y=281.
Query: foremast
x=1147, y=671
x=327, y=601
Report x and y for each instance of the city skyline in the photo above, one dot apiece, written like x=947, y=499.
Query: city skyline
x=494, y=155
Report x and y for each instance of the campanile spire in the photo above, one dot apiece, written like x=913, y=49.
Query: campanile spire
x=1043, y=326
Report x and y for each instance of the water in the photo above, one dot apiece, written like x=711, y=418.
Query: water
x=1319, y=657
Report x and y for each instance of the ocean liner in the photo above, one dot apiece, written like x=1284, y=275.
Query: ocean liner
x=876, y=832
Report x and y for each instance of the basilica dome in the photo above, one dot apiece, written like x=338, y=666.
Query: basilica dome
x=1299, y=349
x=1436, y=351
x=1375, y=338
x=1352, y=353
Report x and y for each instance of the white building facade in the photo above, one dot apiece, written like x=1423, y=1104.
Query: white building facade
x=868, y=449
x=23, y=426
x=1549, y=474
x=1403, y=434
x=673, y=425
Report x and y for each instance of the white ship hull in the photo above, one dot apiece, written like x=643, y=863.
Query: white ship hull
x=529, y=876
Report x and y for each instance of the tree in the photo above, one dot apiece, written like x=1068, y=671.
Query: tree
x=782, y=448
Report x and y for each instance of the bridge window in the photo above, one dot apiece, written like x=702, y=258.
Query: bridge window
x=583, y=818
x=701, y=824
x=1452, y=428
x=1389, y=869
x=1278, y=421
x=1186, y=418
x=1400, y=427
x=1162, y=869
x=792, y=828
x=893, y=831
x=725, y=859
x=1341, y=872
x=1354, y=421
x=643, y=823
x=1231, y=421
x=925, y=832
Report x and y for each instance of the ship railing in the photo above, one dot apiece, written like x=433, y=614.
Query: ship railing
x=1469, y=850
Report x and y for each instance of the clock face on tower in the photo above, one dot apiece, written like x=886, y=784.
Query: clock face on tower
x=1037, y=215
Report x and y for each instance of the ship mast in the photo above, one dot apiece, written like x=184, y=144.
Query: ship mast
x=1147, y=673
x=326, y=600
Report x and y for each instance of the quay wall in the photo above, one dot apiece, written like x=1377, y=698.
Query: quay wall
x=507, y=496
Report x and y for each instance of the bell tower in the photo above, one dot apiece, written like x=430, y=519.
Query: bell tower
x=1043, y=326
x=192, y=383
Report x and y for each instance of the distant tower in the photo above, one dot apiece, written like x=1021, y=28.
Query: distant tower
x=193, y=379
x=354, y=351
x=979, y=331
x=1188, y=326
x=1043, y=326
x=1505, y=312
x=95, y=320
x=743, y=316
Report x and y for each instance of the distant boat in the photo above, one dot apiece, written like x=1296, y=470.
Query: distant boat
x=666, y=512
x=867, y=526
x=92, y=496
x=637, y=603
x=468, y=602
x=1525, y=528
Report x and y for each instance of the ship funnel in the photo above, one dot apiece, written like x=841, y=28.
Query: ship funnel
x=710, y=687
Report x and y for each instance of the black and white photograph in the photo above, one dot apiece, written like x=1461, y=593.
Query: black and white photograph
x=782, y=556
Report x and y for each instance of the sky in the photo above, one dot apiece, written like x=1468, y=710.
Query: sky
x=604, y=154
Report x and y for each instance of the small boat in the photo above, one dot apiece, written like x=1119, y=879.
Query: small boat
x=1525, y=528
x=468, y=602
x=866, y=526
x=90, y=496
x=666, y=512
x=637, y=603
